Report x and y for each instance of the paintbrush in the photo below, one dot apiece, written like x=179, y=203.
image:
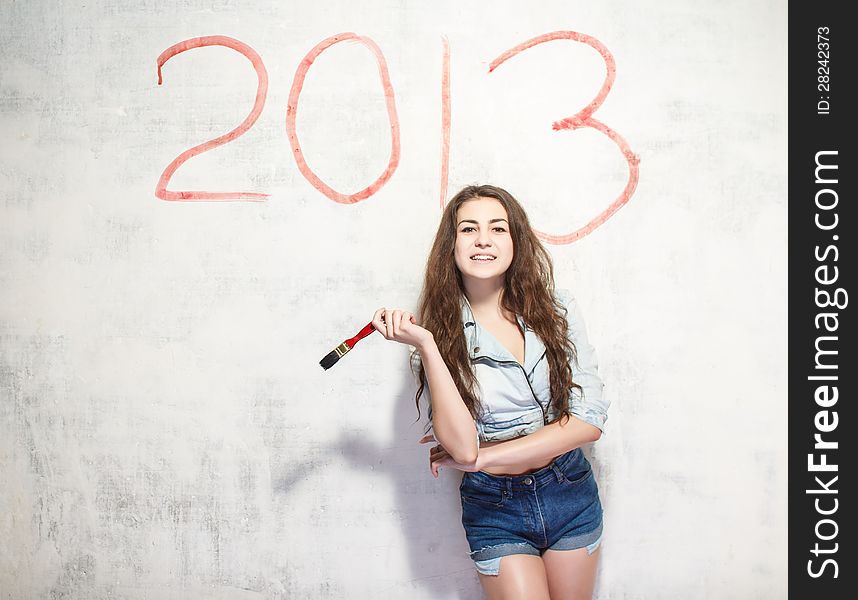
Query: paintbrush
x=337, y=353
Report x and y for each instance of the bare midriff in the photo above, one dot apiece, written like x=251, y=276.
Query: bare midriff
x=520, y=469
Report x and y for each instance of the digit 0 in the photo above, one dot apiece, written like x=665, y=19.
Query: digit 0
x=292, y=113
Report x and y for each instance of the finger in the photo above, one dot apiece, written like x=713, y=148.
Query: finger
x=426, y=438
x=439, y=457
x=397, y=323
x=378, y=321
x=408, y=319
x=440, y=460
x=388, y=322
x=396, y=317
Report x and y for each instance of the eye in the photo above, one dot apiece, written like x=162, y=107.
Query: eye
x=466, y=228
x=499, y=228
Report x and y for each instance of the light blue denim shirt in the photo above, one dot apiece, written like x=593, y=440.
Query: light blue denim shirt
x=515, y=398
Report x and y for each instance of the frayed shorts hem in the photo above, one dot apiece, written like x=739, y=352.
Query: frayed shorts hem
x=487, y=560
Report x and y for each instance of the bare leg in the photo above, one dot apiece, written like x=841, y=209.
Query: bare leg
x=571, y=573
x=521, y=577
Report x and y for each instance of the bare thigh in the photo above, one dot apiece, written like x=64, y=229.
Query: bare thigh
x=571, y=574
x=521, y=577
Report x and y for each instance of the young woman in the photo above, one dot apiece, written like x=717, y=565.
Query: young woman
x=514, y=393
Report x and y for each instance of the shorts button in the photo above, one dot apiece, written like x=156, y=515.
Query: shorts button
x=528, y=480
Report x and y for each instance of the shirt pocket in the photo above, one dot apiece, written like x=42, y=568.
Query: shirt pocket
x=503, y=387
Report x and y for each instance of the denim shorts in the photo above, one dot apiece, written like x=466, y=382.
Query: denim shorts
x=554, y=508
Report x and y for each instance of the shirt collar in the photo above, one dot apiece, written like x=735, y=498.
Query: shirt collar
x=482, y=343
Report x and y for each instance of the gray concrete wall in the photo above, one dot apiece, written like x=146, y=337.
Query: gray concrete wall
x=165, y=429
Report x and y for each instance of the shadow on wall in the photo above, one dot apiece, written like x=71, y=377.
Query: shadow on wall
x=430, y=511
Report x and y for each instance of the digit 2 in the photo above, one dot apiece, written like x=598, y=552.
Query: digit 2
x=161, y=190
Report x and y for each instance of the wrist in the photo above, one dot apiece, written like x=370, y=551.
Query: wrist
x=426, y=345
x=484, y=458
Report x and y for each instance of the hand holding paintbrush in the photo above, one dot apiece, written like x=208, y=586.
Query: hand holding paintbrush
x=397, y=325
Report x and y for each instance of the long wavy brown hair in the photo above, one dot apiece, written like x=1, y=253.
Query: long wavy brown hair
x=528, y=291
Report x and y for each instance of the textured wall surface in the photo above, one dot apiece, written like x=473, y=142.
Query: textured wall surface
x=165, y=428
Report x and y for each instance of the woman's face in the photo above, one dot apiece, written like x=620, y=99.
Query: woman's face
x=483, y=242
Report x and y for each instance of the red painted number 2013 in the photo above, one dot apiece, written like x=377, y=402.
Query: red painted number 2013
x=582, y=119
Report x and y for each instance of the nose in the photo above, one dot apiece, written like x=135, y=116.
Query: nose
x=483, y=239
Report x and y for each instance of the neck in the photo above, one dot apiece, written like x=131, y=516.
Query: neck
x=484, y=296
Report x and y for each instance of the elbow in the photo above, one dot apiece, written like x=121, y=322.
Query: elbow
x=589, y=427
x=463, y=450
x=588, y=431
x=466, y=457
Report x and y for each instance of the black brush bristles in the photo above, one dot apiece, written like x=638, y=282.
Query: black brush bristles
x=334, y=355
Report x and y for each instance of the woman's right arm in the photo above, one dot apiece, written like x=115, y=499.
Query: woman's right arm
x=451, y=421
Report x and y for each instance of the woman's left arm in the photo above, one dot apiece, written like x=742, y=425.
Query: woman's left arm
x=522, y=453
x=538, y=447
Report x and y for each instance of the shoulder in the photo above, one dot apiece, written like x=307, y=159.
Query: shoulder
x=565, y=297
x=574, y=316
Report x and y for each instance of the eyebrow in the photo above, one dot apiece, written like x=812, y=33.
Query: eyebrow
x=476, y=223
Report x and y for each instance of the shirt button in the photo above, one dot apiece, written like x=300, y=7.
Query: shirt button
x=528, y=480
x=477, y=349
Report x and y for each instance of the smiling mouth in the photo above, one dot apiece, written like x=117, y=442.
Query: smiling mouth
x=482, y=258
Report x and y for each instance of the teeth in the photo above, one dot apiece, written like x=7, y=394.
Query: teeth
x=482, y=257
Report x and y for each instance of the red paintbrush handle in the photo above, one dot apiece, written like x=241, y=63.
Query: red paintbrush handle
x=368, y=328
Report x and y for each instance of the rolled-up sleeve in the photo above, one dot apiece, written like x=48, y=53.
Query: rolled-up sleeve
x=588, y=403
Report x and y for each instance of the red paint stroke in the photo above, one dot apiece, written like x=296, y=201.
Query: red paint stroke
x=292, y=114
x=445, y=120
x=161, y=190
x=584, y=119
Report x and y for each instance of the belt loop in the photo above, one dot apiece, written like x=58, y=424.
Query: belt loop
x=557, y=472
x=508, y=482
